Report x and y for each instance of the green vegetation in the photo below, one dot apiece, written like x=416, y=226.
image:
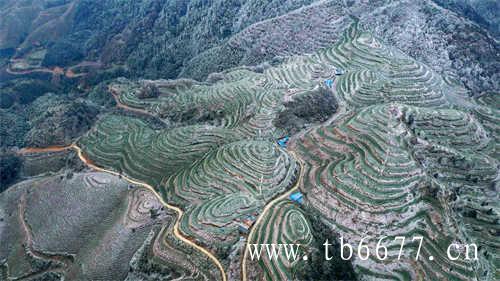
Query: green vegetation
x=23, y=91
x=395, y=146
x=62, y=54
x=53, y=246
x=162, y=257
x=99, y=95
x=177, y=31
x=223, y=188
x=285, y=223
x=388, y=155
x=392, y=176
x=317, y=268
x=308, y=108
x=10, y=165
x=13, y=127
x=129, y=145
x=57, y=121
x=387, y=165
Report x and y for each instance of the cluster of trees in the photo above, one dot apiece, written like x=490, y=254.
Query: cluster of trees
x=148, y=90
x=149, y=269
x=312, y=107
x=13, y=127
x=61, y=123
x=100, y=96
x=9, y=169
x=190, y=113
x=156, y=39
x=62, y=53
x=97, y=76
x=317, y=268
x=23, y=91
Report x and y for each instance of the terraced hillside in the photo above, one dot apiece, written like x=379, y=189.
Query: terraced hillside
x=227, y=186
x=239, y=99
x=407, y=154
x=383, y=114
x=406, y=166
x=374, y=73
x=489, y=115
x=130, y=146
x=284, y=223
x=218, y=186
x=301, y=31
x=163, y=254
x=218, y=173
x=372, y=175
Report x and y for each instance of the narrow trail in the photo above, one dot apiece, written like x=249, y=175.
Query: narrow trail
x=341, y=112
x=54, y=148
x=264, y=212
x=24, y=72
x=69, y=72
x=179, y=212
x=119, y=104
x=63, y=261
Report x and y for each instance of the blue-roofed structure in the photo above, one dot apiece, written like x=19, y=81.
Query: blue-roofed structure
x=339, y=71
x=243, y=229
x=283, y=141
x=296, y=197
x=250, y=217
x=329, y=83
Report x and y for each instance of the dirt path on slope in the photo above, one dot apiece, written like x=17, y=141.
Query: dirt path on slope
x=179, y=212
x=61, y=261
x=264, y=213
x=341, y=111
x=55, y=148
x=119, y=104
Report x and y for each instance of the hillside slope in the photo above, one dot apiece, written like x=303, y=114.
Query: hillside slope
x=384, y=115
x=155, y=39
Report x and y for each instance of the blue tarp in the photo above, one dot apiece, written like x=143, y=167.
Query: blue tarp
x=296, y=197
x=283, y=141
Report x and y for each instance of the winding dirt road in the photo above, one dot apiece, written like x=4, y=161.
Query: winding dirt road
x=264, y=213
x=69, y=72
x=119, y=104
x=179, y=212
x=341, y=112
x=54, y=148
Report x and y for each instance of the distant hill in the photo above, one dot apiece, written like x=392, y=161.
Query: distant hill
x=157, y=140
x=168, y=39
x=483, y=12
